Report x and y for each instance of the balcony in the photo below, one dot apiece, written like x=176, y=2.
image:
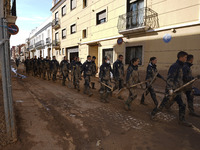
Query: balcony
x=56, y=23
x=48, y=41
x=40, y=44
x=56, y=44
x=32, y=47
x=12, y=16
x=138, y=21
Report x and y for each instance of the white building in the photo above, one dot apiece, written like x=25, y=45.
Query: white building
x=41, y=40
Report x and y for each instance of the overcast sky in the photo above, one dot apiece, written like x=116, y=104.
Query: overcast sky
x=30, y=14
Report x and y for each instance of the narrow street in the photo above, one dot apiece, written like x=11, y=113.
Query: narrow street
x=52, y=117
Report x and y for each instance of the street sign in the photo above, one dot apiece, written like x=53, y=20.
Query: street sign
x=13, y=29
x=167, y=38
x=120, y=41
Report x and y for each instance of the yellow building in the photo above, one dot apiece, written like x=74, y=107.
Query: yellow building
x=134, y=28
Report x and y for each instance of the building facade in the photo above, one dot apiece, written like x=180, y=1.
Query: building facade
x=133, y=28
x=40, y=40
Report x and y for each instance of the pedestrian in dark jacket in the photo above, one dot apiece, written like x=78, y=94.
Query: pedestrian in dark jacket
x=174, y=81
x=187, y=77
x=150, y=75
x=87, y=69
x=105, y=78
x=132, y=77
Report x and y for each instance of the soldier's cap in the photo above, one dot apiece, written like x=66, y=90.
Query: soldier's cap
x=94, y=57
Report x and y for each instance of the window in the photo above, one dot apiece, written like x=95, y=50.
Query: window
x=73, y=4
x=73, y=28
x=132, y=52
x=84, y=3
x=84, y=34
x=60, y=52
x=101, y=17
x=64, y=34
x=56, y=36
x=108, y=52
x=63, y=51
x=64, y=10
x=56, y=15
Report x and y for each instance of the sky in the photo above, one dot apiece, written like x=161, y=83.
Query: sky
x=30, y=14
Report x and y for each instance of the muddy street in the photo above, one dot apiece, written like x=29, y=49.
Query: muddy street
x=52, y=116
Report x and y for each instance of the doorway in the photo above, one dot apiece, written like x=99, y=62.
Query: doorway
x=108, y=52
x=93, y=51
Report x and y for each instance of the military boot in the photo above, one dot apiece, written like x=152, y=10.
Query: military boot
x=93, y=85
x=185, y=123
x=142, y=100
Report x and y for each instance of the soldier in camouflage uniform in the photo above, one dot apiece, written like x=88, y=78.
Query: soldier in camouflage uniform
x=47, y=67
x=94, y=72
x=187, y=77
x=132, y=77
x=28, y=64
x=77, y=73
x=87, y=68
x=40, y=66
x=118, y=74
x=54, y=67
x=35, y=66
x=174, y=81
x=72, y=66
x=105, y=77
x=50, y=72
x=150, y=74
x=64, y=67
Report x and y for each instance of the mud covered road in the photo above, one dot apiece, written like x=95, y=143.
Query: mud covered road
x=53, y=117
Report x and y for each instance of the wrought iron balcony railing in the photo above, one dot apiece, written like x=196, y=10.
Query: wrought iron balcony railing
x=144, y=18
x=39, y=44
x=56, y=43
x=13, y=8
x=56, y=23
x=31, y=47
x=48, y=41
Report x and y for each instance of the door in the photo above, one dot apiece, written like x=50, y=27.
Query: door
x=72, y=55
x=135, y=14
x=93, y=51
x=109, y=53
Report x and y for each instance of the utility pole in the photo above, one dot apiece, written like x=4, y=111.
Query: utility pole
x=6, y=75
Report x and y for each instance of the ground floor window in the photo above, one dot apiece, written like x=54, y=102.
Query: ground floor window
x=108, y=52
x=132, y=52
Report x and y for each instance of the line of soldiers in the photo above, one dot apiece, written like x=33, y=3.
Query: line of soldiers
x=179, y=74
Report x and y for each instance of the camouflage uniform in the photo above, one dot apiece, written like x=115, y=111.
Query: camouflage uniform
x=118, y=74
x=64, y=66
x=27, y=64
x=40, y=65
x=87, y=68
x=77, y=74
x=54, y=68
x=187, y=77
x=47, y=68
x=34, y=67
x=104, y=77
x=150, y=74
x=94, y=71
x=132, y=77
x=174, y=81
